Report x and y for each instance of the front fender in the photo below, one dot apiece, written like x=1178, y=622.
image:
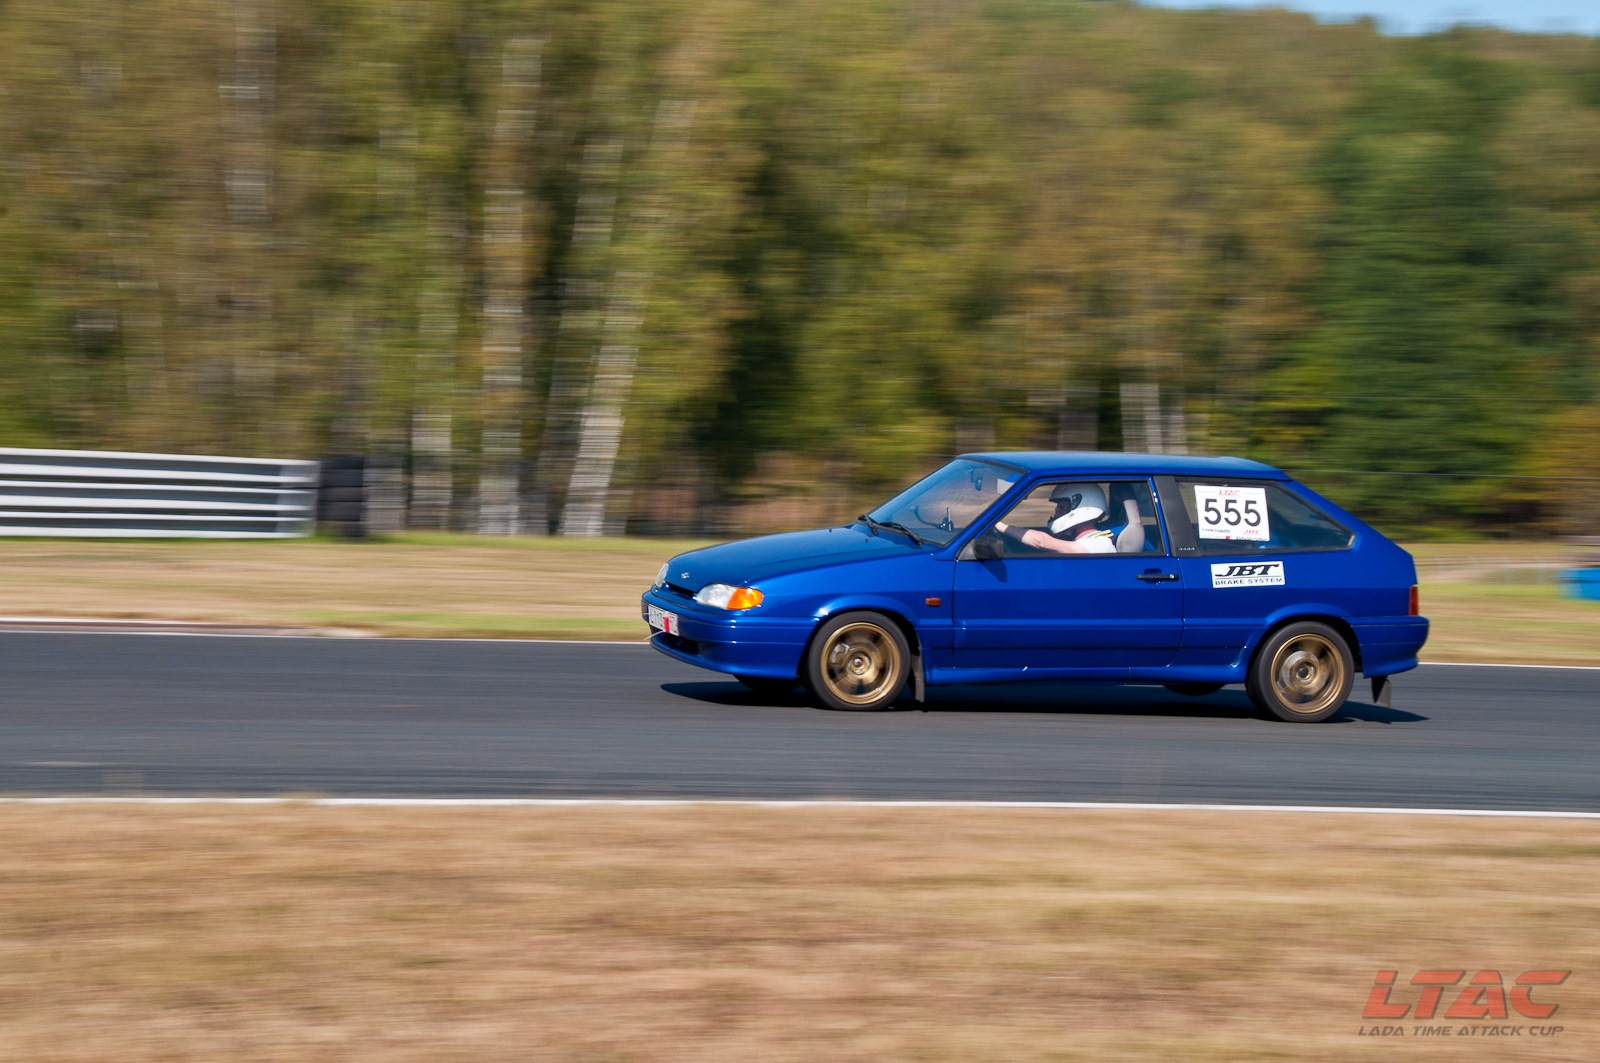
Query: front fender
x=882, y=603
x=915, y=588
x=919, y=628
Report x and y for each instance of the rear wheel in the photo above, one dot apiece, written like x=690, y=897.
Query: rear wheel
x=858, y=662
x=1302, y=673
x=1194, y=690
x=767, y=687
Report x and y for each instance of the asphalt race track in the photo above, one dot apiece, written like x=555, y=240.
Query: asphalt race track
x=108, y=714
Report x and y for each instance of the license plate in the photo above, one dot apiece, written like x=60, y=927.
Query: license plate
x=662, y=620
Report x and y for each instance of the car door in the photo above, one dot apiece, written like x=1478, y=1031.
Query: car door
x=1037, y=613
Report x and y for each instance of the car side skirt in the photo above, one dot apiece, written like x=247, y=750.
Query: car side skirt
x=1386, y=645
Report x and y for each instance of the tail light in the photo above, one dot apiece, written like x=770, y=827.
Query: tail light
x=1416, y=602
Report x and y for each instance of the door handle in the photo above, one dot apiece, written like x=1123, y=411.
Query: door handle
x=1154, y=575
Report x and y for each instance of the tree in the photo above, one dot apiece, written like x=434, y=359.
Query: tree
x=505, y=288
x=1428, y=359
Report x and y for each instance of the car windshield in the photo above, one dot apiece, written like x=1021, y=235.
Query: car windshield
x=939, y=507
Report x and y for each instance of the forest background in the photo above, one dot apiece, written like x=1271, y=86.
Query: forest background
x=675, y=267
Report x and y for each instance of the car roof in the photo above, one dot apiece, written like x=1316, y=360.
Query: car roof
x=1115, y=463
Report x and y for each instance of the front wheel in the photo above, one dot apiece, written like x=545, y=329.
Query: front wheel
x=858, y=662
x=1302, y=674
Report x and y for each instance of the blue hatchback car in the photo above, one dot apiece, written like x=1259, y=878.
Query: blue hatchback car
x=1188, y=572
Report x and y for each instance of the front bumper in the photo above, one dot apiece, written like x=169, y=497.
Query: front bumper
x=745, y=643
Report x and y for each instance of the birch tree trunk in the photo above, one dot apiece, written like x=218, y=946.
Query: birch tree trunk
x=432, y=421
x=601, y=426
x=579, y=326
x=1141, y=418
x=247, y=91
x=600, y=429
x=1077, y=419
x=1175, y=432
x=505, y=256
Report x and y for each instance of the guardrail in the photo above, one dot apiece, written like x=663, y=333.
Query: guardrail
x=1490, y=569
x=112, y=494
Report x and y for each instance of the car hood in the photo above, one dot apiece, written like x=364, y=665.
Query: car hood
x=751, y=560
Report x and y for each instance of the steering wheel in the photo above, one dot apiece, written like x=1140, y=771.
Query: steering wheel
x=947, y=524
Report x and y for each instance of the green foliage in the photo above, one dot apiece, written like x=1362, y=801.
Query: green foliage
x=889, y=230
x=1443, y=323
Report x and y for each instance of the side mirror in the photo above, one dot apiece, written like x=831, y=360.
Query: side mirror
x=987, y=547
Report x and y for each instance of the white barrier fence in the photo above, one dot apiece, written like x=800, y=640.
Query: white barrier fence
x=103, y=493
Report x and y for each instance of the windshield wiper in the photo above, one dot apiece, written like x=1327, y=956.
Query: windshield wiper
x=895, y=525
x=892, y=525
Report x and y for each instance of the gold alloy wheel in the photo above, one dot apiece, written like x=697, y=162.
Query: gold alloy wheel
x=1307, y=674
x=860, y=663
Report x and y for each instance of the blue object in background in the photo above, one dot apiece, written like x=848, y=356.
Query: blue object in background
x=1583, y=583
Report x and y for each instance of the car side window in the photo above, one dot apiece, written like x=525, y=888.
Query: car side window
x=1127, y=523
x=1245, y=516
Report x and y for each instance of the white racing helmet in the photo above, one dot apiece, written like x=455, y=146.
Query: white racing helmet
x=1076, y=504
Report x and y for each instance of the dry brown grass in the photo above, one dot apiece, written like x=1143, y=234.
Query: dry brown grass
x=706, y=934
x=1501, y=602
x=1514, y=624
x=441, y=585
x=460, y=585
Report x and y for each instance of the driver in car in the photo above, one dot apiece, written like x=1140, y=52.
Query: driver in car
x=1072, y=529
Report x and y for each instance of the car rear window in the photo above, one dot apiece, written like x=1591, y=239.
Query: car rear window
x=1248, y=516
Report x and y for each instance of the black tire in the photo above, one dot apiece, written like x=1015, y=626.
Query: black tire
x=343, y=479
x=766, y=687
x=1302, y=673
x=858, y=662
x=1195, y=690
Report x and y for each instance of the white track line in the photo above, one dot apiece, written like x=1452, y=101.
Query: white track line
x=71, y=628
x=688, y=802
x=1495, y=664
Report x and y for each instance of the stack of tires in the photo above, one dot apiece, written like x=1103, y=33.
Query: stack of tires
x=342, y=496
x=359, y=495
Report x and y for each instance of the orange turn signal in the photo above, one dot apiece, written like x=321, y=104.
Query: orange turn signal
x=744, y=598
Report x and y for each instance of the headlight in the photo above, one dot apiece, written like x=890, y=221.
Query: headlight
x=661, y=577
x=727, y=596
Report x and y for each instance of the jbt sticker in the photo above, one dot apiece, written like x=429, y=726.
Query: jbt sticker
x=1248, y=574
x=1235, y=513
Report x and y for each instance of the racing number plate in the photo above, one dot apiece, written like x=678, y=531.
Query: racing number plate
x=1236, y=513
x=662, y=620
